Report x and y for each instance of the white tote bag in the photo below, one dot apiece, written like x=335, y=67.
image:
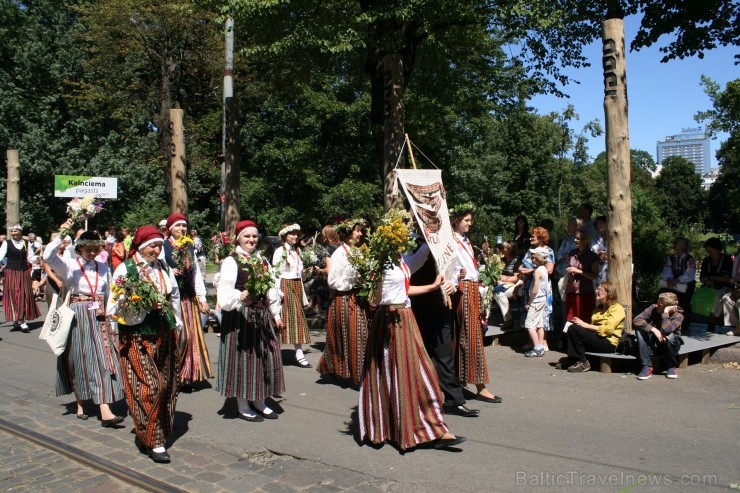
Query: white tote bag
x=56, y=326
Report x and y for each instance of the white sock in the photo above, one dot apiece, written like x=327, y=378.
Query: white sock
x=299, y=353
x=262, y=407
x=159, y=450
x=245, y=408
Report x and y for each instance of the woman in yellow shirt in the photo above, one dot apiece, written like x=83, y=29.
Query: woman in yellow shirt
x=600, y=336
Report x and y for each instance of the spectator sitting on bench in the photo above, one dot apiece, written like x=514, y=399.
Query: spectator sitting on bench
x=509, y=284
x=658, y=329
x=601, y=336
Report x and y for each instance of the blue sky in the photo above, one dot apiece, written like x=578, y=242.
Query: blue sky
x=663, y=97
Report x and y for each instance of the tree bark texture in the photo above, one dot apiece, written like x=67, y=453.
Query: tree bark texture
x=393, y=125
x=619, y=197
x=13, y=192
x=178, y=169
x=233, y=149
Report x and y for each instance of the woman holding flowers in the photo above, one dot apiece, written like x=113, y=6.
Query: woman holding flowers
x=18, y=300
x=145, y=302
x=468, y=322
x=400, y=397
x=346, y=323
x=289, y=266
x=249, y=365
x=194, y=364
x=89, y=365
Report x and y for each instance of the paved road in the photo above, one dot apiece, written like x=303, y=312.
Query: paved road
x=554, y=431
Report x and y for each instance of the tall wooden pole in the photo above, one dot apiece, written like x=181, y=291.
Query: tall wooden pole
x=393, y=122
x=619, y=196
x=233, y=151
x=13, y=191
x=228, y=95
x=178, y=171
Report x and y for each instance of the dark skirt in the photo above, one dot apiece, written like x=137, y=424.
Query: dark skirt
x=195, y=364
x=249, y=364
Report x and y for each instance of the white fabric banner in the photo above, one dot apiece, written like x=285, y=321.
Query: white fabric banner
x=428, y=198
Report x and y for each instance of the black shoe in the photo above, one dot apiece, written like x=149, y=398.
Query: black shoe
x=257, y=418
x=272, y=415
x=82, y=416
x=441, y=443
x=186, y=389
x=303, y=363
x=159, y=457
x=16, y=327
x=109, y=423
x=461, y=410
x=496, y=399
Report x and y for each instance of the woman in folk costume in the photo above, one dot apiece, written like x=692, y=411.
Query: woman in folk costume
x=194, y=364
x=468, y=320
x=18, y=300
x=400, y=398
x=347, y=320
x=89, y=366
x=249, y=364
x=148, y=345
x=288, y=265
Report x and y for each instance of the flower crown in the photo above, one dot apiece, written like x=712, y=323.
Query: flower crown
x=461, y=210
x=288, y=229
x=349, y=224
x=89, y=243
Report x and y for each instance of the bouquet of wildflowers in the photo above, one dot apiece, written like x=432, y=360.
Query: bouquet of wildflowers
x=489, y=275
x=79, y=209
x=382, y=250
x=135, y=295
x=181, y=253
x=260, y=278
x=314, y=255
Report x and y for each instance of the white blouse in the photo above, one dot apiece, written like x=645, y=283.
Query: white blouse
x=393, y=286
x=287, y=262
x=342, y=276
x=157, y=275
x=465, y=256
x=79, y=276
x=229, y=297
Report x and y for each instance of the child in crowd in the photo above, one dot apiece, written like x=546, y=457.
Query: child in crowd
x=537, y=306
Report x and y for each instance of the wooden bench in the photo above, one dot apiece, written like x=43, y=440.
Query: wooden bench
x=697, y=340
x=496, y=332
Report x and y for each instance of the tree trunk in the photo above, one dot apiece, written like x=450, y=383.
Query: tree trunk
x=178, y=170
x=13, y=191
x=231, y=159
x=393, y=125
x=619, y=197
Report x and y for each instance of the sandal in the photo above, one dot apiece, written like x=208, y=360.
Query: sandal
x=303, y=363
x=82, y=416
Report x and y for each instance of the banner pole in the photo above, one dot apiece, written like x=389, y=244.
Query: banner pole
x=411, y=152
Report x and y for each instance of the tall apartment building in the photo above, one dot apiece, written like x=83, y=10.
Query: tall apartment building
x=691, y=144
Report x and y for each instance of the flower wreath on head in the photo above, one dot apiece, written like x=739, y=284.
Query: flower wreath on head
x=349, y=224
x=287, y=229
x=98, y=243
x=462, y=210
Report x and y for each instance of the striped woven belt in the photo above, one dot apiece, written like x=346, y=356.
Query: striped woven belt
x=81, y=298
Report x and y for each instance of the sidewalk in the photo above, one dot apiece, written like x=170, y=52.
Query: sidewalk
x=565, y=432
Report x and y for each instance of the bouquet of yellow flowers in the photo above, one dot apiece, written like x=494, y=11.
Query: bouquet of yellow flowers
x=260, y=278
x=382, y=250
x=181, y=253
x=135, y=295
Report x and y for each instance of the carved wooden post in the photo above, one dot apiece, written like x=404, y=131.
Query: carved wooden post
x=231, y=158
x=619, y=196
x=393, y=122
x=178, y=171
x=13, y=191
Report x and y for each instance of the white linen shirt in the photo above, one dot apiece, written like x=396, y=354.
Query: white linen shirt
x=229, y=298
x=342, y=276
x=290, y=267
x=73, y=276
x=465, y=256
x=393, y=288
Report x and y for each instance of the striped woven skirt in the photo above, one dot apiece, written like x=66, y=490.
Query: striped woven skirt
x=149, y=365
x=18, y=299
x=90, y=366
x=249, y=363
x=400, y=397
x=195, y=364
x=296, y=326
x=346, y=338
x=469, y=349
